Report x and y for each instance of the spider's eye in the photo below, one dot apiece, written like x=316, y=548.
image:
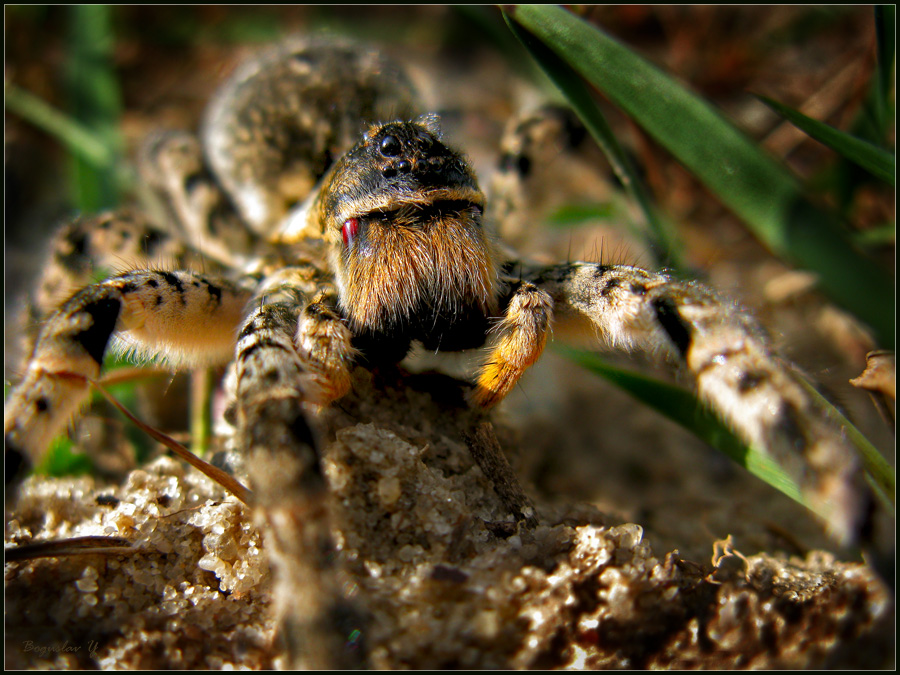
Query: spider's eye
x=349, y=230
x=390, y=146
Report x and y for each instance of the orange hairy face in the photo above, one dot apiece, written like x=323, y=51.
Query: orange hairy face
x=402, y=212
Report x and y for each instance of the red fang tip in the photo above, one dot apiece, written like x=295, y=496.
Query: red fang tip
x=349, y=231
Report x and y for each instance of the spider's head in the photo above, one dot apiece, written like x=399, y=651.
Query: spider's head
x=403, y=214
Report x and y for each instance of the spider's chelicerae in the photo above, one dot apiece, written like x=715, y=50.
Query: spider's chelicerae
x=340, y=251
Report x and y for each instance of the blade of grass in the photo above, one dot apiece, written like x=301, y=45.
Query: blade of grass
x=76, y=137
x=225, y=480
x=95, y=101
x=661, y=238
x=886, y=35
x=687, y=410
x=873, y=159
x=763, y=193
x=879, y=235
x=91, y=545
x=570, y=215
x=61, y=460
x=879, y=471
x=875, y=119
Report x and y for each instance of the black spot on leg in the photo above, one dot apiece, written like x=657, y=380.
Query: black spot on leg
x=676, y=328
x=787, y=427
x=151, y=241
x=77, y=241
x=575, y=131
x=750, y=380
x=523, y=165
x=173, y=281
x=193, y=181
x=104, y=313
x=215, y=293
x=261, y=344
x=638, y=289
x=248, y=330
x=152, y=283
x=71, y=253
x=42, y=404
x=271, y=377
x=302, y=432
x=230, y=414
x=611, y=283
x=517, y=163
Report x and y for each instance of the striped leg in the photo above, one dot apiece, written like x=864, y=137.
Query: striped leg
x=90, y=248
x=171, y=162
x=185, y=318
x=727, y=354
x=285, y=472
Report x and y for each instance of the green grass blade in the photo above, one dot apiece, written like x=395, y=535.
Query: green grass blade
x=886, y=33
x=661, y=238
x=77, y=138
x=687, y=410
x=879, y=471
x=684, y=408
x=873, y=159
x=878, y=235
x=95, y=101
x=62, y=460
x=571, y=215
x=763, y=193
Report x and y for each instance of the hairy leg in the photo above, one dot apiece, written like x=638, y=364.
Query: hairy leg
x=725, y=351
x=90, y=248
x=183, y=317
x=171, y=163
x=273, y=402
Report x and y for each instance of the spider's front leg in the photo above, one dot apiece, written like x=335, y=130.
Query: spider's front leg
x=148, y=312
x=288, y=360
x=736, y=372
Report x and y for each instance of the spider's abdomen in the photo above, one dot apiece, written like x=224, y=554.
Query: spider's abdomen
x=403, y=215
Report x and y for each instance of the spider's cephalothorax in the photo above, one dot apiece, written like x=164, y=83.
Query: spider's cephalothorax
x=412, y=261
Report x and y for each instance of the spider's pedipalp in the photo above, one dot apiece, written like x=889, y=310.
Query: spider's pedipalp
x=320, y=337
x=522, y=335
x=325, y=343
x=736, y=372
x=147, y=311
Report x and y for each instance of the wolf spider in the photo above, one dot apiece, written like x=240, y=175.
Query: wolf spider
x=327, y=252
